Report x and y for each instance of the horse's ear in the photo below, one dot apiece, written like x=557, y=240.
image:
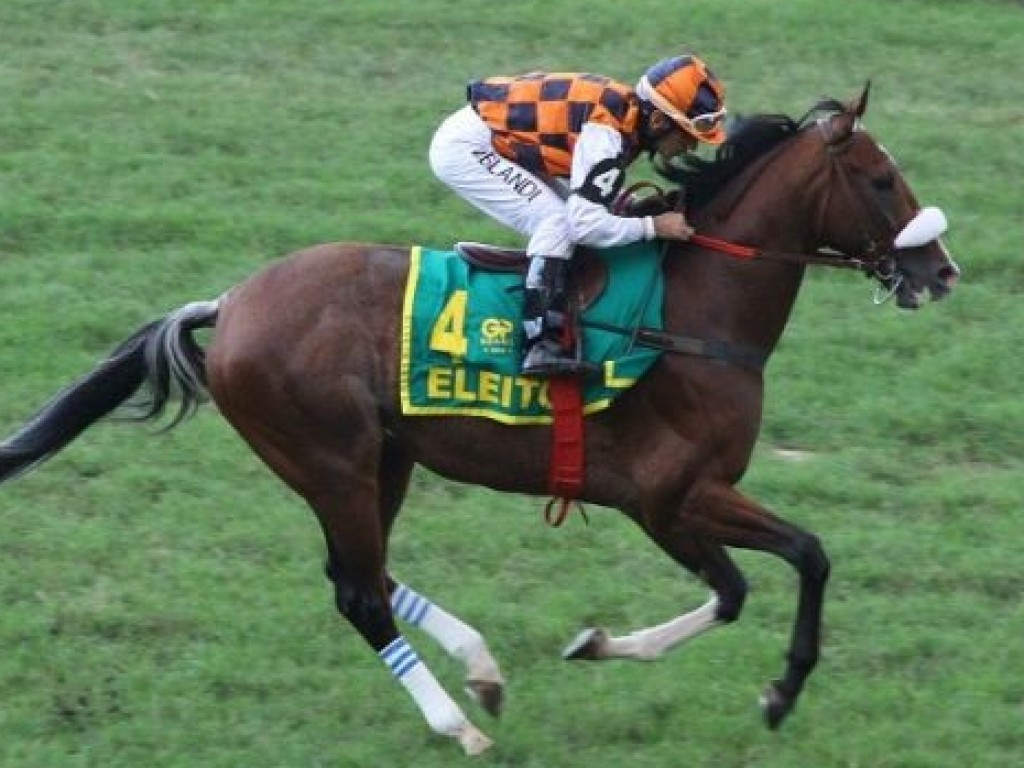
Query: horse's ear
x=862, y=103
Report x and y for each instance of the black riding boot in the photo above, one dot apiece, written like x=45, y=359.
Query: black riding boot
x=545, y=317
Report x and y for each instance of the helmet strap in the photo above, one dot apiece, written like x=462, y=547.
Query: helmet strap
x=649, y=135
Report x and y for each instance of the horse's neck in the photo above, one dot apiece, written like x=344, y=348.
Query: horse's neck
x=750, y=302
x=773, y=204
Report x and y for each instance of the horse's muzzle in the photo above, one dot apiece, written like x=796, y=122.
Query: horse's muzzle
x=913, y=280
x=921, y=262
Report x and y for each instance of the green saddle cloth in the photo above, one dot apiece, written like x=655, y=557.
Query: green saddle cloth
x=461, y=336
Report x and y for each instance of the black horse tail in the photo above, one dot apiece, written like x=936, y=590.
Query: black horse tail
x=161, y=362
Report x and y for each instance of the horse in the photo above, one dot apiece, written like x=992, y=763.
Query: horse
x=303, y=362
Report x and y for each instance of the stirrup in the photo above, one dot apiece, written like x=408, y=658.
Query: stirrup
x=546, y=313
x=547, y=357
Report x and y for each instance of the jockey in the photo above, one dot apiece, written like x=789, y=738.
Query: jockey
x=546, y=154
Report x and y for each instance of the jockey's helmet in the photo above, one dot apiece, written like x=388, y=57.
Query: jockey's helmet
x=684, y=88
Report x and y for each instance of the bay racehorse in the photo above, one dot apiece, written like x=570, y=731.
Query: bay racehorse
x=304, y=364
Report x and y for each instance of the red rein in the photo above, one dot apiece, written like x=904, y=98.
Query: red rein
x=724, y=246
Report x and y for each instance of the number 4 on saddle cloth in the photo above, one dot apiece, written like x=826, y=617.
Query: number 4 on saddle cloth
x=461, y=339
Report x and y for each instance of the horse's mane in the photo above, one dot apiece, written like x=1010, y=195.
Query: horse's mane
x=749, y=138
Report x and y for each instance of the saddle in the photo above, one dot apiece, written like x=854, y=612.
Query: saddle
x=588, y=275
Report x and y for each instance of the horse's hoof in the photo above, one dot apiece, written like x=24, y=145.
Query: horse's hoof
x=473, y=741
x=775, y=705
x=589, y=645
x=488, y=694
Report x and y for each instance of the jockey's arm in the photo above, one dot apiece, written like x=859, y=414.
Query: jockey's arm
x=597, y=175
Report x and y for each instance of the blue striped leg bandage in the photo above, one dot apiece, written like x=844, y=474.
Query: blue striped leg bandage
x=400, y=657
x=408, y=605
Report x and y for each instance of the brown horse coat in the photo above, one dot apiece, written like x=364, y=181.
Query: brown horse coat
x=304, y=364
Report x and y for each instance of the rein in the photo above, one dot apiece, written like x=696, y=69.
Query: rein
x=874, y=262
x=869, y=266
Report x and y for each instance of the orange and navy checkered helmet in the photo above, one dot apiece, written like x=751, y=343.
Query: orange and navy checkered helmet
x=687, y=92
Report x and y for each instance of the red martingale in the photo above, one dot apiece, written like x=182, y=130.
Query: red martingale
x=565, y=477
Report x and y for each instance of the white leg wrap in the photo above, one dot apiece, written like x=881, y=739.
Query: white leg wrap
x=442, y=714
x=652, y=642
x=458, y=639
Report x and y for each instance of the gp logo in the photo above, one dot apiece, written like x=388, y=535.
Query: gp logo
x=496, y=335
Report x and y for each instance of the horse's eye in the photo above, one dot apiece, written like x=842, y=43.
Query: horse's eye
x=883, y=183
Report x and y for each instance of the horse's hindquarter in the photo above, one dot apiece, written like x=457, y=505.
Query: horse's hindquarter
x=317, y=330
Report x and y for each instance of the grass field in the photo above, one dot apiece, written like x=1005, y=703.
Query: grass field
x=161, y=596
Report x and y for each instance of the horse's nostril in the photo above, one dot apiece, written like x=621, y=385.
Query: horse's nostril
x=949, y=275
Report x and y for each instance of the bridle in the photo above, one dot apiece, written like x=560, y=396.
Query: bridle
x=875, y=260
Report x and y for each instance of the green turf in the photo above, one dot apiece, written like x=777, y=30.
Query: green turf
x=161, y=596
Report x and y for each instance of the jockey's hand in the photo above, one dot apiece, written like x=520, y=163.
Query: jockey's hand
x=672, y=226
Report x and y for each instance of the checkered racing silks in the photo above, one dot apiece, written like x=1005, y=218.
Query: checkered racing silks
x=536, y=118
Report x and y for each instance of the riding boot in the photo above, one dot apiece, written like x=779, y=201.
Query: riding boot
x=549, y=351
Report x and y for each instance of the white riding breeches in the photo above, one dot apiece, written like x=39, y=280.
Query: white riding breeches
x=462, y=156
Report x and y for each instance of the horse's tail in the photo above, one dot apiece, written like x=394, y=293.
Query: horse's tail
x=161, y=358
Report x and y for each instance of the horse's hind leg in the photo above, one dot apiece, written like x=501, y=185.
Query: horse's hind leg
x=330, y=452
x=484, y=681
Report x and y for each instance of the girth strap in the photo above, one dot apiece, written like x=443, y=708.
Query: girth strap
x=737, y=354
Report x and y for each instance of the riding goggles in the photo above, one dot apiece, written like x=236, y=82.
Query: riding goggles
x=704, y=125
x=707, y=126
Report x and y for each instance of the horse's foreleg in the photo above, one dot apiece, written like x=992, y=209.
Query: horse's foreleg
x=645, y=644
x=722, y=514
x=709, y=562
x=484, y=681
